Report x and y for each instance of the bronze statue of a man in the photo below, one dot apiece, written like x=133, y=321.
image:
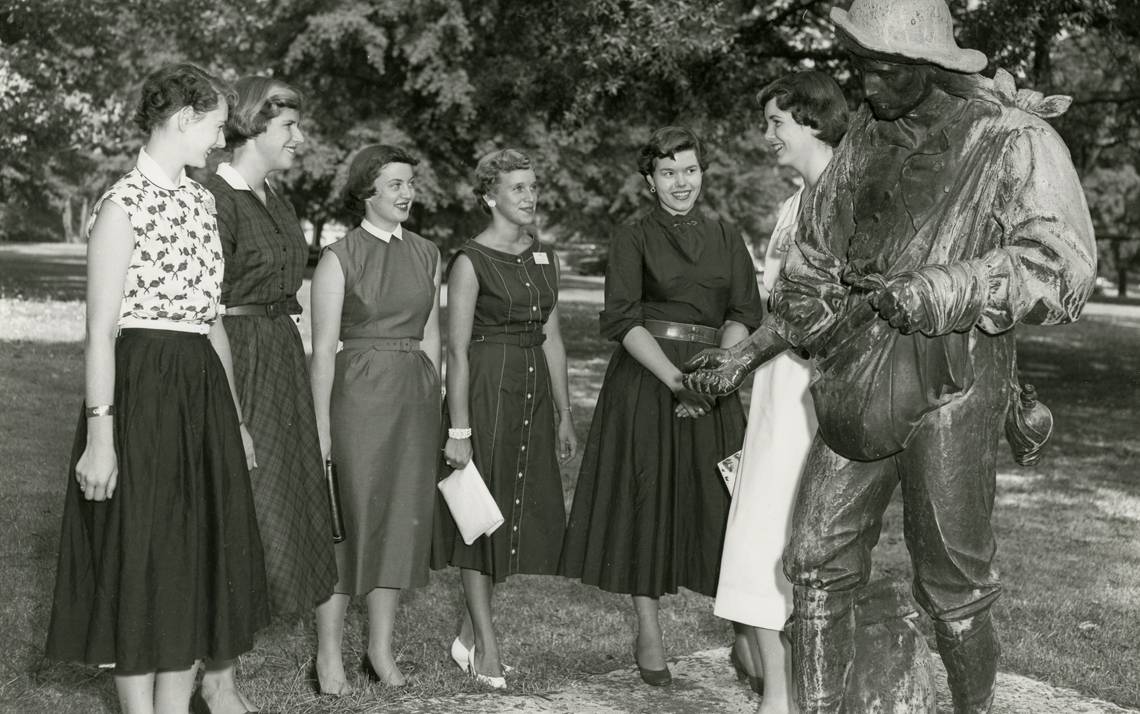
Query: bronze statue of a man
x=948, y=215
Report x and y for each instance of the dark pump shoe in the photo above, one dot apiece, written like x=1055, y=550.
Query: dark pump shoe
x=755, y=682
x=652, y=677
x=198, y=705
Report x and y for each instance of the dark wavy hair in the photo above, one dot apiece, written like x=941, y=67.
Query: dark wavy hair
x=174, y=86
x=259, y=100
x=813, y=99
x=366, y=164
x=666, y=143
x=493, y=165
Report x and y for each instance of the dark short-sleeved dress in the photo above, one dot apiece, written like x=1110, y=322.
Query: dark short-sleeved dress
x=512, y=417
x=265, y=253
x=385, y=411
x=650, y=507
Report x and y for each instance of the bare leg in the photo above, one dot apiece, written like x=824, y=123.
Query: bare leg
x=172, y=690
x=746, y=649
x=219, y=689
x=477, y=588
x=777, y=671
x=382, y=606
x=136, y=693
x=330, y=640
x=650, y=643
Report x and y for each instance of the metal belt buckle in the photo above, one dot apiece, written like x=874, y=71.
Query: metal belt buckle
x=273, y=309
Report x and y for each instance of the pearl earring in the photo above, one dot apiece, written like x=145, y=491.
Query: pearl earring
x=490, y=203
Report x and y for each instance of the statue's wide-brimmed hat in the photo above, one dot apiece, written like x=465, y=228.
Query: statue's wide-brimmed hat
x=912, y=29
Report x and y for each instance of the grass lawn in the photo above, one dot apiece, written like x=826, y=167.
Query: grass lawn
x=1069, y=537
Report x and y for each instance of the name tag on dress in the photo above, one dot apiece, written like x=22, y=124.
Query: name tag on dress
x=541, y=259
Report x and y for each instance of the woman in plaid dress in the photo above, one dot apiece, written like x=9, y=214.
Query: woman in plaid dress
x=265, y=253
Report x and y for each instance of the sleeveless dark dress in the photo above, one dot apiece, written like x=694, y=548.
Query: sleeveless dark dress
x=650, y=507
x=512, y=418
x=385, y=411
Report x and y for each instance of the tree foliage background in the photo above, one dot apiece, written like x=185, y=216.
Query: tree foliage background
x=577, y=83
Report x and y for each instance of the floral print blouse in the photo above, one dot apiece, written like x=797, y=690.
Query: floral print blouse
x=175, y=274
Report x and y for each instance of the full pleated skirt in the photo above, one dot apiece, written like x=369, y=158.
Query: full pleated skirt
x=169, y=570
x=288, y=483
x=781, y=425
x=514, y=447
x=385, y=421
x=650, y=506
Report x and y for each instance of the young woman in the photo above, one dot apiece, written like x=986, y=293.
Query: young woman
x=378, y=406
x=265, y=253
x=650, y=506
x=160, y=561
x=508, y=399
x=806, y=117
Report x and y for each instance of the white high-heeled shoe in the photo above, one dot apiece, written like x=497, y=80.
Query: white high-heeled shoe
x=485, y=679
x=461, y=656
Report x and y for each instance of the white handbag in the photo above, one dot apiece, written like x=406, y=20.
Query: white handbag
x=471, y=504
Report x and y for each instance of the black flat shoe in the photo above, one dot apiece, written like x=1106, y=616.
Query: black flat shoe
x=755, y=682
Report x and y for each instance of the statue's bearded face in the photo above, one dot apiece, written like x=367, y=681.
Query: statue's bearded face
x=892, y=89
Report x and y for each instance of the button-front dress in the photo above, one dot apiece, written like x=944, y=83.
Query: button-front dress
x=385, y=410
x=650, y=506
x=169, y=569
x=265, y=253
x=512, y=417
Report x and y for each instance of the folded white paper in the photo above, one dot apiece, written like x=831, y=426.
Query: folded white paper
x=471, y=504
x=728, y=467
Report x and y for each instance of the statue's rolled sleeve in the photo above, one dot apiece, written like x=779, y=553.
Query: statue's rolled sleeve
x=1044, y=270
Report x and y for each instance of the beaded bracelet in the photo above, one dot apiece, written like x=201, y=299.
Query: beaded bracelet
x=464, y=433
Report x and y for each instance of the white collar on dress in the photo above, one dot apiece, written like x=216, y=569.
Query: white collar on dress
x=382, y=234
x=150, y=169
x=231, y=176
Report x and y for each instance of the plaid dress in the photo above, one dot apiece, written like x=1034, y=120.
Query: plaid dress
x=265, y=253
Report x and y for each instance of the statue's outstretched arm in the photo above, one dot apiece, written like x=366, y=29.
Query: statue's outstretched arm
x=719, y=371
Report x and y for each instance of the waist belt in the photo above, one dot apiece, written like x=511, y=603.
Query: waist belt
x=272, y=309
x=383, y=344
x=684, y=332
x=521, y=339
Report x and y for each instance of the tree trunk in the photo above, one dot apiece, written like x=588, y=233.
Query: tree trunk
x=1121, y=269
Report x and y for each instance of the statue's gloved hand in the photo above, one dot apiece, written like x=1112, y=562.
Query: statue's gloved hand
x=933, y=300
x=709, y=358
x=901, y=303
x=715, y=371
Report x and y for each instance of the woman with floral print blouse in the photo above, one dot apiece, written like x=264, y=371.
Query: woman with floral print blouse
x=160, y=562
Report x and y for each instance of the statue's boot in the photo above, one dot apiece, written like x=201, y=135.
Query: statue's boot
x=970, y=651
x=823, y=646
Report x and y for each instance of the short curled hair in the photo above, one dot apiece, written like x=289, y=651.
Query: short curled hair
x=666, y=143
x=493, y=165
x=813, y=99
x=171, y=87
x=259, y=100
x=366, y=165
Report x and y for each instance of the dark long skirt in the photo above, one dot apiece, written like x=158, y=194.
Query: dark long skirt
x=650, y=507
x=168, y=570
x=514, y=447
x=288, y=483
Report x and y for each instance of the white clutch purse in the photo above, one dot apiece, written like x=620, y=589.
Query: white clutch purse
x=471, y=504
